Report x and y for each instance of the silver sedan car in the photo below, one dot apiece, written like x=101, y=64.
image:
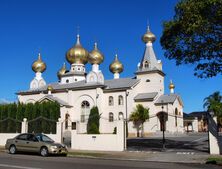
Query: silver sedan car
x=38, y=143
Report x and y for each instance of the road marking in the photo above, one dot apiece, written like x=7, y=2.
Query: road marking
x=14, y=166
x=189, y=153
x=202, y=138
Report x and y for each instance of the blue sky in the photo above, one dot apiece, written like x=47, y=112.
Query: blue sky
x=50, y=26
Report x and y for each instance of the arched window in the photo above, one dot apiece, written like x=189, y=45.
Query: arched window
x=85, y=107
x=66, y=120
x=146, y=65
x=111, y=117
x=111, y=103
x=120, y=115
x=120, y=100
x=176, y=114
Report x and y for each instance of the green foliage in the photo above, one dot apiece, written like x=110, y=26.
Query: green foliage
x=214, y=103
x=42, y=117
x=193, y=36
x=139, y=116
x=93, y=121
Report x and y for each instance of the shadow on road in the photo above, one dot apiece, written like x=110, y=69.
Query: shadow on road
x=155, y=144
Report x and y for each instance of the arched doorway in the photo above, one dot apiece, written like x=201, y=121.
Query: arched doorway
x=163, y=117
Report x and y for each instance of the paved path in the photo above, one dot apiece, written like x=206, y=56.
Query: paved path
x=191, y=143
x=35, y=162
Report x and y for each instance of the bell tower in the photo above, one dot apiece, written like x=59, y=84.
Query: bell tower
x=149, y=69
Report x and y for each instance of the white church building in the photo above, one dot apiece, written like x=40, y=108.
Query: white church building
x=77, y=91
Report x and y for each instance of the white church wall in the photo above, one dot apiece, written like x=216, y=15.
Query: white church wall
x=61, y=95
x=180, y=124
x=75, y=99
x=105, y=125
x=155, y=84
x=30, y=98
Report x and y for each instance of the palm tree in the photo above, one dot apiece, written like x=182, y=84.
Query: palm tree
x=139, y=116
x=214, y=103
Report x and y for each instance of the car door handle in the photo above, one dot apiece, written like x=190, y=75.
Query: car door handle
x=16, y=141
x=27, y=142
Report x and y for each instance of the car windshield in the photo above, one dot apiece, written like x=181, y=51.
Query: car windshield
x=44, y=138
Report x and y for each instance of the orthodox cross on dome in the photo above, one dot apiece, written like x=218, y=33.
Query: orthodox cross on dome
x=78, y=29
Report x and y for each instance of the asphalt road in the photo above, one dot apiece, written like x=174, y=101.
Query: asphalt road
x=21, y=161
x=196, y=143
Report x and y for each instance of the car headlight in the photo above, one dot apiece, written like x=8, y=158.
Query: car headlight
x=54, y=147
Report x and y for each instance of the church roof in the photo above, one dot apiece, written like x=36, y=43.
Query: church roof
x=121, y=83
x=145, y=96
x=52, y=98
x=164, y=99
x=114, y=84
x=149, y=56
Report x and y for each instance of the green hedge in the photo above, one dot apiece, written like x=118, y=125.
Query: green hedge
x=93, y=121
x=42, y=117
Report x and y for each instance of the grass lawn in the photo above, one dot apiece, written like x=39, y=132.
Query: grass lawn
x=214, y=160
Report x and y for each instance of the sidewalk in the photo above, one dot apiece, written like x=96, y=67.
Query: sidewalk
x=143, y=156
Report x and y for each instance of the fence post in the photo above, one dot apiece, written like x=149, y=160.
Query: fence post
x=195, y=125
x=24, y=126
x=121, y=136
x=213, y=136
x=59, y=130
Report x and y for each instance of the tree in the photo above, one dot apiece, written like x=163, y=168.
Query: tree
x=139, y=116
x=194, y=35
x=214, y=103
x=93, y=121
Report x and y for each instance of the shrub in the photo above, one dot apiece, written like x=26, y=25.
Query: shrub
x=93, y=121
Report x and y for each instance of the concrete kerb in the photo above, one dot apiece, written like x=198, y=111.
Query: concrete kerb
x=163, y=157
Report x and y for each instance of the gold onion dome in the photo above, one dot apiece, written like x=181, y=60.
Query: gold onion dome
x=148, y=36
x=171, y=86
x=62, y=71
x=77, y=54
x=95, y=56
x=116, y=66
x=39, y=65
x=50, y=88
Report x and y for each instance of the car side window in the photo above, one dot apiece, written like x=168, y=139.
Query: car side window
x=22, y=137
x=31, y=137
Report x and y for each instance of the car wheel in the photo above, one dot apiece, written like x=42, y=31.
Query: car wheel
x=12, y=149
x=44, y=152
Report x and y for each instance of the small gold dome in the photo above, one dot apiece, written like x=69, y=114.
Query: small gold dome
x=171, y=86
x=95, y=56
x=50, y=88
x=39, y=65
x=77, y=54
x=62, y=71
x=116, y=66
x=148, y=36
